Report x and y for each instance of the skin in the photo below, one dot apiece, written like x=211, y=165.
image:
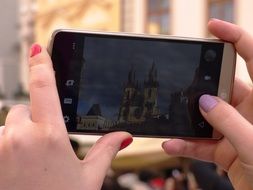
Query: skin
x=234, y=152
x=35, y=151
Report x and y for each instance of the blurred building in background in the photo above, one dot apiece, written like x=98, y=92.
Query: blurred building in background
x=12, y=84
x=26, y=19
x=80, y=14
x=24, y=22
x=173, y=17
x=9, y=49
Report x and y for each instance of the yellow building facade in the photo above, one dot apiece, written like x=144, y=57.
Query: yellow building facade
x=175, y=17
x=76, y=14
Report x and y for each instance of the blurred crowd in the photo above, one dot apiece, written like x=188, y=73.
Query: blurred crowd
x=201, y=176
x=195, y=175
x=198, y=175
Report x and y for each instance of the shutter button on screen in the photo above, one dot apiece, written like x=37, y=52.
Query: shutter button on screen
x=210, y=55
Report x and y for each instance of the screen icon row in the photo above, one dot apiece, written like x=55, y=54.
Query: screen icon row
x=67, y=100
x=70, y=83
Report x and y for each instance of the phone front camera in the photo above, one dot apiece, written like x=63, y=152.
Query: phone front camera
x=210, y=55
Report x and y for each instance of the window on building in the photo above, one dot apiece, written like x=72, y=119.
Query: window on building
x=221, y=9
x=158, y=16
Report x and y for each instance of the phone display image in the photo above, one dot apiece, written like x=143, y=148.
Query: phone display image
x=148, y=87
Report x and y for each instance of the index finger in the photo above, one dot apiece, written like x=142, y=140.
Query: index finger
x=242, y=41
x=45, y=104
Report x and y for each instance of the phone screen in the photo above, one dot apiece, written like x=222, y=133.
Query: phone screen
x=146, y=86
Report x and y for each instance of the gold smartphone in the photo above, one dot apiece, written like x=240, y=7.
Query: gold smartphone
x=148, y=85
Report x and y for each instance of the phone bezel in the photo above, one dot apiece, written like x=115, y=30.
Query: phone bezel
x=225, y=86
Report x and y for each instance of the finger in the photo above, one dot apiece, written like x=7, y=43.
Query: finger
x=45, y=105
x=206, y=150
x=2, y=130
x=232, y=33
x=240, y=92
x=230, y=123
x=189, y=148
x=17, y=116
x=100, y=156
x=242, y=99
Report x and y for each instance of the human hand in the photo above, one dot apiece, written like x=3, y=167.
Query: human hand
x=35, y=151
x=233, y=152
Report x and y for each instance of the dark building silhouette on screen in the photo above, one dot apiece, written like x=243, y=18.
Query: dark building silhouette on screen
x=139, y=102
x=139, y=108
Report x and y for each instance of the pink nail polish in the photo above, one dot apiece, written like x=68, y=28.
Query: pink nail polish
x=125, y=143
x=35, y=50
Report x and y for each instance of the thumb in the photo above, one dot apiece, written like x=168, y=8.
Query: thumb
x=227, y=120
x=102, y=153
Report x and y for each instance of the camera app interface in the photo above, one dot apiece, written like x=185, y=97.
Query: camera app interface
x=144, y=86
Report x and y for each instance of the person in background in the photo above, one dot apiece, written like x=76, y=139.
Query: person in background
x=208, y=178
x=132, y=181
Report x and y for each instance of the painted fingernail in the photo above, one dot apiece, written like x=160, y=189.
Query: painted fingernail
x=207, y=102
x=214, y=19
x=35, y=50
x=125, y=143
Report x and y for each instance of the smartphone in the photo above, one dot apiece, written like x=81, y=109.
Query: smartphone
x=147, y=85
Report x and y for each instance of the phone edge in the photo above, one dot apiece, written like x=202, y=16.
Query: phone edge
x=226, y=75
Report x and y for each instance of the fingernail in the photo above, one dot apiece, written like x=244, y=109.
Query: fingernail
x=35, y=50
x=125, y=143
x=207, y=102
x=216, y=20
